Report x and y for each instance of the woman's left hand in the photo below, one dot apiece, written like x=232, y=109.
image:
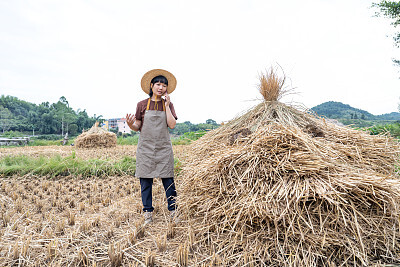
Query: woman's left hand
x=167, y=99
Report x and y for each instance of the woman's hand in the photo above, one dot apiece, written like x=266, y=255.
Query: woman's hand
x=130, y=120
x=167, y=99
x=171, y=122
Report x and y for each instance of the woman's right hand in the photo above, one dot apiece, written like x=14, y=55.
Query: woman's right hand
x=130, y=120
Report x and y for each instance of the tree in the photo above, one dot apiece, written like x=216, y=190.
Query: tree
x=210, y=121
x=5, y=119
x=64, y=113
x=391, y=10
x=73, y=129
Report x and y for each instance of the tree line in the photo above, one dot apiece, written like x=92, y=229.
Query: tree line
x=187, y=126
x=45, y=118
x=59, y=118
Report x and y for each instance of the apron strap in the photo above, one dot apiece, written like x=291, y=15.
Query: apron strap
x=148, y=104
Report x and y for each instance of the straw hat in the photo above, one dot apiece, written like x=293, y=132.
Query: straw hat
x=148, y=76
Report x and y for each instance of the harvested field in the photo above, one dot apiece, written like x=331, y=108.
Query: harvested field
x=276, y=186
x=74, y=222
x=68, y=221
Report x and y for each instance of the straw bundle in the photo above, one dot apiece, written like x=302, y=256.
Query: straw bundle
x=271, y=85
x=96, y=137
x=278, y=186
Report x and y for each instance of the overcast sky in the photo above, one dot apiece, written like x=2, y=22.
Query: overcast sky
x=95, y=52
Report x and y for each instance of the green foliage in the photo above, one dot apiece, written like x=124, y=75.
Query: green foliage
x=391, y=10
x=393, y=129
x=187, y=126
x=188, y=137
x=194, y=135
x=6, y=119
x=45, y=118
x=73, y=129
x=338, y=110
x=11, y=134
x=59, y=117
x=59, y=166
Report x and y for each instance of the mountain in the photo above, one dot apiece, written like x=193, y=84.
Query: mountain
x=338, y=110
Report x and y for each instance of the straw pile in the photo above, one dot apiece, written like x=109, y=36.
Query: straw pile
x=282, y=187
x=96, y=137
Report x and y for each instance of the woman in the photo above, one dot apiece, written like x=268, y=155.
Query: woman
x=154, y=156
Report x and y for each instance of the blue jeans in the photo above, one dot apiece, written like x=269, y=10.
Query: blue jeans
x=146, y=185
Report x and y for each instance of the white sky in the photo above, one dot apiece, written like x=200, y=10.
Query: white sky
x=95, y=52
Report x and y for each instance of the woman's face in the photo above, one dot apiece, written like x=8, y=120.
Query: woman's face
x=159, y=89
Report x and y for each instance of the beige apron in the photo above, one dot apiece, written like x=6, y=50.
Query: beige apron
x=154, y=156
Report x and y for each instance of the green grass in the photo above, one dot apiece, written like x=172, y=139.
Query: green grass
x=130, y=140
x=184, y=139
x=37, y=142
x=188, y=137
x=59, y=166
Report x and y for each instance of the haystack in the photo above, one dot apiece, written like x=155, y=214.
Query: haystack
x=96, y=137
x=279, y=186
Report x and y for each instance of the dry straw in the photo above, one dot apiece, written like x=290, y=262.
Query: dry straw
x=272, y=86
x=96, y=137
x=279, y=186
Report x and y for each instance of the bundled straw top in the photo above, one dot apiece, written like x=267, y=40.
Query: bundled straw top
x=148, y=76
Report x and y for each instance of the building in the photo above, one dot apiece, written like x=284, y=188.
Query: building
x=123, y=126
x=113, y=123
x=118, y=124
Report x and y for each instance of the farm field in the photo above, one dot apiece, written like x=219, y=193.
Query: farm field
x=69, y=221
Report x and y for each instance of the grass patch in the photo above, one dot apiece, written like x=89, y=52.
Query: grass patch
x=177, y=166
x=188, y=137
x=184, y=139
x=38, y=142
x=65, y=166
x=129, y=140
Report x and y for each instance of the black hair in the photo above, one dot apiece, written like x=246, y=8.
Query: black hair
x=158, y=79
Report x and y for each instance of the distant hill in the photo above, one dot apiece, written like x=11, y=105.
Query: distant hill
x=338, y=110
x=395, y=116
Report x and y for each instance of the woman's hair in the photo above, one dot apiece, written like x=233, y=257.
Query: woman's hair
x=158, y=79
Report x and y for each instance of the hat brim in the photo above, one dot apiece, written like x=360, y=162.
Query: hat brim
x=148, y=76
